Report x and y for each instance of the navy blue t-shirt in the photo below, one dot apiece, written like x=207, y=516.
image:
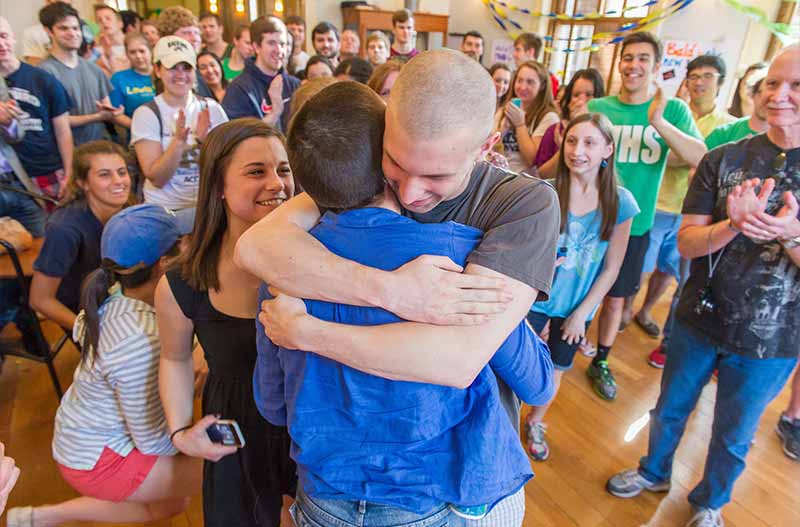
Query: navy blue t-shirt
x=40, y=95
x=407, y=444
x=247, y=95
x=71, y=250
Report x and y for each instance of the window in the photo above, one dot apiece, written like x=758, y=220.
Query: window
x=576, y=34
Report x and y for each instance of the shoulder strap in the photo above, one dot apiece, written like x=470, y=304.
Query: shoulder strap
x=185, y=296
x=154, y=107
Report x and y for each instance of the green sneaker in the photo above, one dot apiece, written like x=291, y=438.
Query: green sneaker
x=602, y=380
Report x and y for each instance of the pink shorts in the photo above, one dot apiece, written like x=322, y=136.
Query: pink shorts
x=113, y=478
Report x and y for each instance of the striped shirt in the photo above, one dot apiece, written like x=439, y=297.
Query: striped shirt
x=114, y=402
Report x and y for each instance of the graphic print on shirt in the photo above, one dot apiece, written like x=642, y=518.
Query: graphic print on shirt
x=583, y=247
x=26, y=122
x=769, y=290
x=636, y=144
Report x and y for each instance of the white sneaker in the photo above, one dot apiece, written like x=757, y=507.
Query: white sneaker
x=706, y=518
x=20, y=517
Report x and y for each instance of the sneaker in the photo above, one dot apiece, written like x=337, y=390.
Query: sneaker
x=20, y=517
x=706, y=518
x=630, y=483
x=789, y=431
x=470, y=513
x=537, y=446
x=602, y=380
x=657, y=358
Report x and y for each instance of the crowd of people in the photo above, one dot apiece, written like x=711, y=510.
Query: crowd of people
x=365, y=276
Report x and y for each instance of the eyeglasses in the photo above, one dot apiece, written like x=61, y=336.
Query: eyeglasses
x=694, y=77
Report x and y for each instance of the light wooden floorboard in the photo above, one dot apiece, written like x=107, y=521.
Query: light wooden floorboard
x=586, y=436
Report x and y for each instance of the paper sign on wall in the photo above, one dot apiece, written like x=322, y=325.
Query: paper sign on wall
x=677, y=54
x=502, y=51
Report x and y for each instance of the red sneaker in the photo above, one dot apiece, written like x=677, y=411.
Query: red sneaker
x=657, y=358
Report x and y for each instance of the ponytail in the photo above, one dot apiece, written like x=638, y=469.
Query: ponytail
x=94, y=291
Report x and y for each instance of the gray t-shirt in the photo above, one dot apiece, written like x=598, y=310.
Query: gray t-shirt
x=85, y=84
x=520, y=218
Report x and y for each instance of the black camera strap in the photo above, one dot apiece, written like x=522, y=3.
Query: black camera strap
x=712, y=265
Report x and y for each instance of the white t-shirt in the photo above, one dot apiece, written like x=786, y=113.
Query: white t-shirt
x=511, y=147
x=180, y=192
x=300, y=60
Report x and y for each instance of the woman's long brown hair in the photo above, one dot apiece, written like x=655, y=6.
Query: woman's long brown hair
x=543, y=103
x=606, y=177
x=200, y=263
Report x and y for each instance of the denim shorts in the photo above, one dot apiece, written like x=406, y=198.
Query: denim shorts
x=663, y=251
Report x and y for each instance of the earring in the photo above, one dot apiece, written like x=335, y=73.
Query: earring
x=604, y=163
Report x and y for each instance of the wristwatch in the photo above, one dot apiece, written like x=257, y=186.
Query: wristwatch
x=790, y=243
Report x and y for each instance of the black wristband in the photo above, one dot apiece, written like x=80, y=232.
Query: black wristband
x=181, y=429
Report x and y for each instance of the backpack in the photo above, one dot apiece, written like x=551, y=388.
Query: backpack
x=134, y=169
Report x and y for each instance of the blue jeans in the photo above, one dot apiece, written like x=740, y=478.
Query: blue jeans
x=20, y=207
x=745, y=387
x=357, y=513
x=685, y=266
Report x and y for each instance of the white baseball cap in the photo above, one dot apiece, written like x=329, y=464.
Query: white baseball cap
x=172, y=50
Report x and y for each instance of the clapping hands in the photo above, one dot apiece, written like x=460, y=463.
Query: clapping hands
x=747, y=212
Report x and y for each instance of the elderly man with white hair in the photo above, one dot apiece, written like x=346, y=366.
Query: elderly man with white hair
x=740, y=309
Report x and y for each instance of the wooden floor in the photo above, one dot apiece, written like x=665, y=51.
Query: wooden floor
x=586, y=436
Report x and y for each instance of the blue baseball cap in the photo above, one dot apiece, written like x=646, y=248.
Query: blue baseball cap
x=139, y=235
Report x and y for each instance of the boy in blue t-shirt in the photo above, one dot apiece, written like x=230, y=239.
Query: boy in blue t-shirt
x=409, y=449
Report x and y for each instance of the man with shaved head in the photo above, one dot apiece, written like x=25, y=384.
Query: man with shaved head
x=739, y=312
x=438, y=130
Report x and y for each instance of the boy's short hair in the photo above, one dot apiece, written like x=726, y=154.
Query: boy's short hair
x=52, y=14
x=472, y=33
x=174, y=18
x=241, y=28
x=209, y=14
x=644, y=37
x=294, y=20
x=712, y=61
x=356, y=68
x=335, y=146
x=377, y=35
x=401, y=15
x=263, y=25
x=100, y=7
x=324, y=27
x=316, y=59
x=530, y=41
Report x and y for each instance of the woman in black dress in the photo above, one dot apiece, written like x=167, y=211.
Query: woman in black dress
x=244, y=175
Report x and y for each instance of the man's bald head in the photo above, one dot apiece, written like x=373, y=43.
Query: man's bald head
x=788, y=53
x=5, y=26
x=441, y=93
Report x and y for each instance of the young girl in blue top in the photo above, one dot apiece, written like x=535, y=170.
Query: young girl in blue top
x=596, y=217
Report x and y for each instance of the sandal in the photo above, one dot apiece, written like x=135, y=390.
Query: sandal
x=649, y=327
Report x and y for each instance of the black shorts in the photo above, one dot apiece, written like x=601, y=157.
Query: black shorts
x=630, y=274
x=561, y=352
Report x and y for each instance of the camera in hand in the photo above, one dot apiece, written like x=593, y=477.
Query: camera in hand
x=705, y=305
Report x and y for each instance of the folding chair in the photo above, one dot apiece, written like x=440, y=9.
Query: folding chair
x=32, y=343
